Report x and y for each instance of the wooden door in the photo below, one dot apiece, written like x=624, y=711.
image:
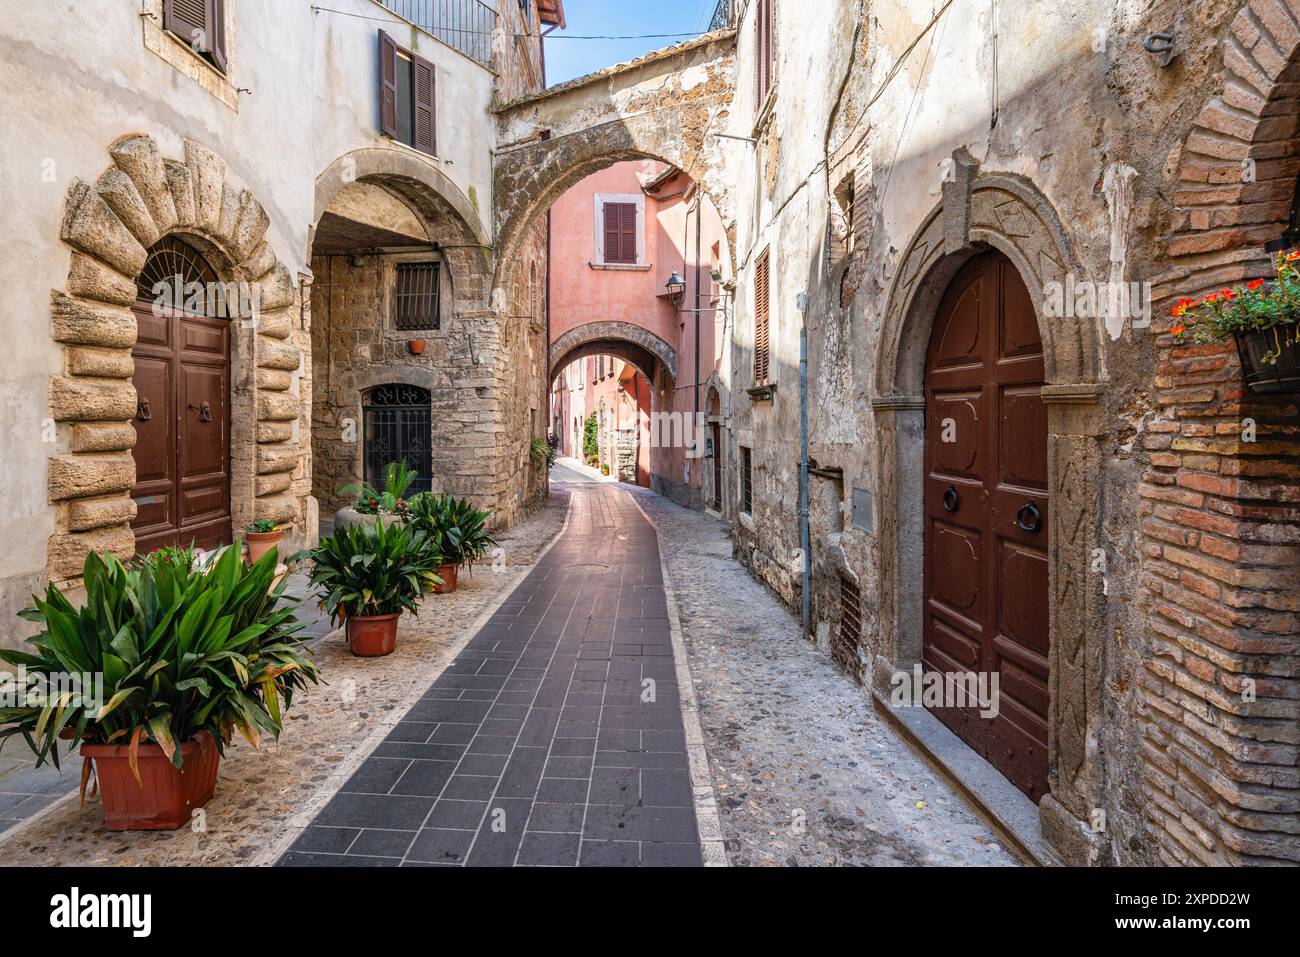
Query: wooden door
x=182, y=423
x=986, y=515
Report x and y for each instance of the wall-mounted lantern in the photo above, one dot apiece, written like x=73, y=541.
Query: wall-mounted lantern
x=676, y=287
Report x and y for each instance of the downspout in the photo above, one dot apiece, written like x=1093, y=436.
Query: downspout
x=699, y=207
x=805, y=534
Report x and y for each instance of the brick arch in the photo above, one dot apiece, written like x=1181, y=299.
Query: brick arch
x=1237, y=166
x=623, y=340
x=110, y=224
x=664, y=106
x=1218, y=564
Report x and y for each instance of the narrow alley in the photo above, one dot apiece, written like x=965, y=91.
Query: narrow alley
x=559, y=737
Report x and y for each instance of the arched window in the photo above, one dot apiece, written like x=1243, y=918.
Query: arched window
x=177, y=278
x=398, y=426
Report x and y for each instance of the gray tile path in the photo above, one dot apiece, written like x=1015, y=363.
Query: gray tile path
x=554, y=738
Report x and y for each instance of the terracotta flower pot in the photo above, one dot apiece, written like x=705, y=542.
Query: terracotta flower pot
x=416, y=346
x=259, y=543
x=373, y=637
x=164, y=798
x=448, y=575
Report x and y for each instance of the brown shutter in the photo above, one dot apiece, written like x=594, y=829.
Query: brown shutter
x=620, y=232
x=761, y=320
x=387, y=84
x=217, y=36
x=185, y=17
x=627, y=233
x=422, y=82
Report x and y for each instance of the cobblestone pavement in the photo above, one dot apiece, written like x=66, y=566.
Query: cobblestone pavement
x=805, y=772
x=537, y=745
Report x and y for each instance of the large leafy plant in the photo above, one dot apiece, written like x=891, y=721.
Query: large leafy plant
x=1267, y=306
x=457, y=528
x=182, y=649
x=398, y=479
x=372, y=570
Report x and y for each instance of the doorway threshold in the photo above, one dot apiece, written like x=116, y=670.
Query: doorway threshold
x=1003, y=806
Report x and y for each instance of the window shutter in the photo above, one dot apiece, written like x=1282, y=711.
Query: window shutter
x=422, y=82
x=761, y=320
x=620, y=232
x=217, y=35
x=387, y=84
x=628, y=233
x=188, y=19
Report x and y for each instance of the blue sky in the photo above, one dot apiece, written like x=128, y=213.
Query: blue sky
x=566, y=59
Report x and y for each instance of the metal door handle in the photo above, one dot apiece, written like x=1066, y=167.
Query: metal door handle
x=951, y=500
x=204, y=409
x=142, y=411
x=1035, y=517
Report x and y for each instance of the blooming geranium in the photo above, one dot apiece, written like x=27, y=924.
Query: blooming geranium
x=1268, y=306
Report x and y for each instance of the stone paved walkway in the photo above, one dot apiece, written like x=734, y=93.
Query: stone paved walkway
x=555, y=738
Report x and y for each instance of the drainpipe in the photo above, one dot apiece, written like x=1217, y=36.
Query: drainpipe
x=805, y=534
x=699, y=207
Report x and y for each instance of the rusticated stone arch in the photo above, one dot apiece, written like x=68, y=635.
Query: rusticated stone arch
x=621, y=339
x=110, y=224
x=1009, y=214
x=665, y=106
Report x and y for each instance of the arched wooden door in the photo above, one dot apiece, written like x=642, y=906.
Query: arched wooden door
x=986, y=516
x=182, y=382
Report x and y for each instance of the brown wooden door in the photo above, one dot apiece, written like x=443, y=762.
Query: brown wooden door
x=182, y=451
x=986, y=514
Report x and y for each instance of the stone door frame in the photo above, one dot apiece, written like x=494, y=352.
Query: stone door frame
x=110, y=225
x=1007, y=213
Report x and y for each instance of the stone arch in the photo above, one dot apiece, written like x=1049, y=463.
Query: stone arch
x=663, y=106
x=629, y=342
x=110, y=224
x=1009, y=214
x=449, y=217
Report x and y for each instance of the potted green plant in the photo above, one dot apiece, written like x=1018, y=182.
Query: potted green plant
x=262, y=536
x=367, y=575
x=1261, y=316
x=458, y=531
x=186, y=655
x=372, y=502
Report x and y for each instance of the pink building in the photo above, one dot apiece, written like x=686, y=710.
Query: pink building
x=618, y=237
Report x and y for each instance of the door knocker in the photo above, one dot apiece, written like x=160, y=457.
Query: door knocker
x=951, y=500
x=142, y=411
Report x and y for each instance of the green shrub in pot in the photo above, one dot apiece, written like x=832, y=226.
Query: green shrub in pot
x=455, y=525
x=365, y=572
x=185, y=651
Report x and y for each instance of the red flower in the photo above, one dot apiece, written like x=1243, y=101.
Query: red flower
x=1228, y=294
x=1177, y=330
x=1211, y=297
x=1255, y=285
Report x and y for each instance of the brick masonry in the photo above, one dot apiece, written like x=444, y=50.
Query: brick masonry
x=1220, y=501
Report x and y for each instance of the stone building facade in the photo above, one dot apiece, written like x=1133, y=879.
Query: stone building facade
x=139, y=142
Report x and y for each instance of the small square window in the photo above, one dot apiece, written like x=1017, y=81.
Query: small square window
x=417, y=299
